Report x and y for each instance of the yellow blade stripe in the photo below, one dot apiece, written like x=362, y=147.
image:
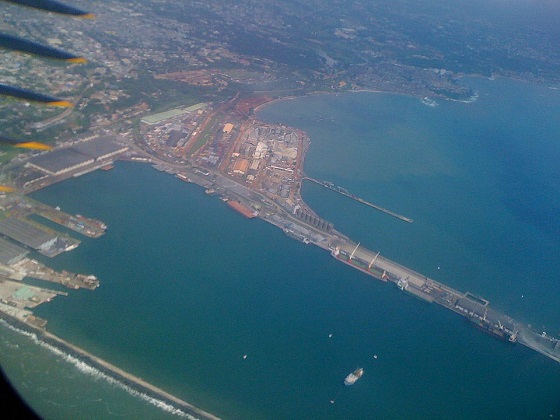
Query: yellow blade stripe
x=63, y=104
x=4, y=188
x=34, y=145
x=76, y=60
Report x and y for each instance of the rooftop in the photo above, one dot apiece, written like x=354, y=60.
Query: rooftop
x=58, y=160
x=10, y=253
x=25, y=232
x=98, y=147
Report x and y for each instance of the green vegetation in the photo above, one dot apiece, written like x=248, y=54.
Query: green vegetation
x=7, y=153
x=206, y=135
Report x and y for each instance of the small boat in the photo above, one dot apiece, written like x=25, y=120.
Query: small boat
x=353, y=377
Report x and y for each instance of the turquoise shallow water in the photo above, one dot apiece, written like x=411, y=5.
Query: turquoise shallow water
x=189, y=286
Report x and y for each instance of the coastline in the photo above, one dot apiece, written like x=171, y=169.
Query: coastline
x=93, y=364
x=137, y=381
x=387, y=92
x=292, y=97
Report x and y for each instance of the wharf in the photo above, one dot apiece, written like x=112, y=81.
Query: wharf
x=345, y=193
x=78, y=223
x=19, y=297
x=476, y=309
x=36, y=270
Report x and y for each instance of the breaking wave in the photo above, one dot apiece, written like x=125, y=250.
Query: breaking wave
x=97, y=374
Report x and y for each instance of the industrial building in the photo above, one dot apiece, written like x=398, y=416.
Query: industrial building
x=227, y=128
x=61, y=161
x=99, y=149
x=241, y=166
x=27, y=234
x=11, y=253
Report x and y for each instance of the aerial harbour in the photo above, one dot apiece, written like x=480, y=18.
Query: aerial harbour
x=258, y=171
x=126, y=292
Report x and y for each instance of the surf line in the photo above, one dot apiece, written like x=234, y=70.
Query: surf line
x=90, y=364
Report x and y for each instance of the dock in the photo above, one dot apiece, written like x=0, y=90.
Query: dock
x=34, y=269
x=78, y=223
x=345, y=193
x=474, y=308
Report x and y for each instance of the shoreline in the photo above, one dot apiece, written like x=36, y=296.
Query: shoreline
x=388, y=92
x=137, y=384
x=127, y=381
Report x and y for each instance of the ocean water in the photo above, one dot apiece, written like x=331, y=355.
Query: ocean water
x=58, y=386
x=188, y=287
x=481, y=181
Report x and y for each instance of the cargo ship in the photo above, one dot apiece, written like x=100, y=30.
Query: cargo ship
x=492, y=330
x=353, y=377
x=244, y=210
x=183, y=177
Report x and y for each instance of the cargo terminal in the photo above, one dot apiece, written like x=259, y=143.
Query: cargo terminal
x=61, y=163
x=30, y=235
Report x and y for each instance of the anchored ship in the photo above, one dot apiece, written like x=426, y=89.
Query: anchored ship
x=353, y=377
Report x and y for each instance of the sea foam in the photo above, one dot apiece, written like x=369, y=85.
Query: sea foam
x=97, y=374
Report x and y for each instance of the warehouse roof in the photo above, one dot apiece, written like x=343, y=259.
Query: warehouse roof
x=10, y=253
x=58, y=160
x=25, y=232
x=98, y=147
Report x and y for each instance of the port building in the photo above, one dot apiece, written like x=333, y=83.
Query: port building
x=487, y=315
x=61, y=161
x=99, y=149
x=27, y=234
x=10, y=253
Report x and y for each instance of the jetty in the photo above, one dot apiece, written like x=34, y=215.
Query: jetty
x=344, y=192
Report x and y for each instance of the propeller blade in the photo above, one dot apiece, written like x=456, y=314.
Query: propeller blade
x=28, y=95
x=23, y=45
x=33, y=145
x=53, y=6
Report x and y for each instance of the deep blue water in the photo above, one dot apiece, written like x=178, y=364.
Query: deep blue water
x=188, y=286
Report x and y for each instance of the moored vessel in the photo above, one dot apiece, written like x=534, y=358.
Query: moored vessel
x=244, y=210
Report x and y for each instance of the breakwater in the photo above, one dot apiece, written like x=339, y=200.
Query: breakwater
x=346, y=193
x=89, y=363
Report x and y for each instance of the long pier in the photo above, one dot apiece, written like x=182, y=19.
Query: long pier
x=476, y=309
x=345, y=193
